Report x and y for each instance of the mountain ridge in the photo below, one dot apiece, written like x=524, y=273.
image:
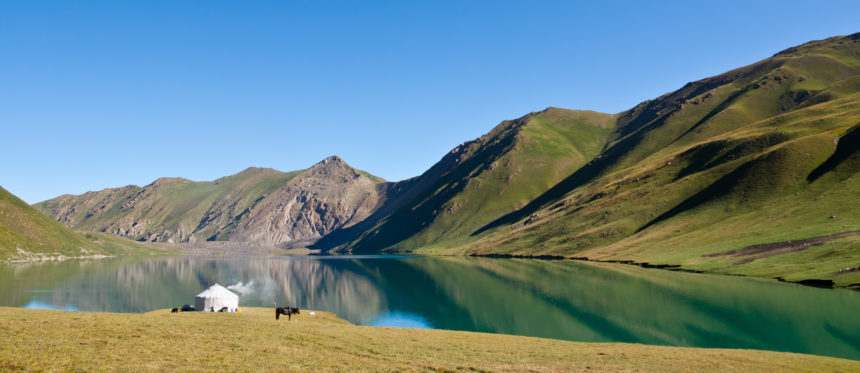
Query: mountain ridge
x=488, y=176
x=180, y=210
x=723, y=163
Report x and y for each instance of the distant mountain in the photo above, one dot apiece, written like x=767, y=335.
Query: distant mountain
x=257, y=205
x=27, y=234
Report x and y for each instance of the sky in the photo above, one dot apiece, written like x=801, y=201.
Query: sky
x=98, y=94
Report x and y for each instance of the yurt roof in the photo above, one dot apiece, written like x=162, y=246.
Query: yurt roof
x=217, y=291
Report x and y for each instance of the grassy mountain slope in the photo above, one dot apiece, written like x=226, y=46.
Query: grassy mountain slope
x=761, y=154
x=486, y=178
x=26, y=233
x=259, y=205
x=170, y=201
x=168, y=204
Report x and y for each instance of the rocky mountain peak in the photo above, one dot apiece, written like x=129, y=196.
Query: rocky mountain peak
x=332, y=161
x=332, y=165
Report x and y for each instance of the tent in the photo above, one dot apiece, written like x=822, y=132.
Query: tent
x=215, y=298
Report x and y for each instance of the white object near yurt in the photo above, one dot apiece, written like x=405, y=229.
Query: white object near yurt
x=215, y=298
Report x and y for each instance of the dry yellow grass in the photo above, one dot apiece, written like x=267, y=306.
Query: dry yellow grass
x=253, y=341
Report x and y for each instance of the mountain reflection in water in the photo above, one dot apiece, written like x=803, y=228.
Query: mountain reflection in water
x=555, y=299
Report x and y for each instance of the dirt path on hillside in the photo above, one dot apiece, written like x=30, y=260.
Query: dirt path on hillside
x=761, y=251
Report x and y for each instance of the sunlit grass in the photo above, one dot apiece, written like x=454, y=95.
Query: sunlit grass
x=254, y=341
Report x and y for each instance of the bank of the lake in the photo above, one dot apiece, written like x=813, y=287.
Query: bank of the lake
x=254, y=341
x=848, y=282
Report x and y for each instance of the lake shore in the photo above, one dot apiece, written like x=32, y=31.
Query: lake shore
x=818, y=283
x=254, y=341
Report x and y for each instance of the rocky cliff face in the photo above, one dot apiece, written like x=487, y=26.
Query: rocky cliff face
x=258, y=205
x=329, y=195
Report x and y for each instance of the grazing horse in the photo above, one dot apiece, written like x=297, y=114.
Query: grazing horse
x=223, y=309
x=174, y=310
x=289, y=311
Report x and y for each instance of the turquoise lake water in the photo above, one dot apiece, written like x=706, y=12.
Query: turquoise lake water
x=560, y=299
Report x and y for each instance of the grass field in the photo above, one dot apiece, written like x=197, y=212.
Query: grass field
x=254, y=341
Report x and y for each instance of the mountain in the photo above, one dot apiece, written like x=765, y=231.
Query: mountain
x=26, y=234
x=259, y=205
x=724, y=174
x=482, y=180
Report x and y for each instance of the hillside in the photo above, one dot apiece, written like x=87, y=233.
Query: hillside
x=720, y=175
x=263, y=206
x=484, y=179
x=253, y=341
x=26, y=234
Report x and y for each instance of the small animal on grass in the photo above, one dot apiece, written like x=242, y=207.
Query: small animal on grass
x=174, y=310
x=223, y=309
x=289, y=311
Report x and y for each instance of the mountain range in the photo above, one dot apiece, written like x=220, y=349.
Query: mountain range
x=753, y=171
x=259, y=205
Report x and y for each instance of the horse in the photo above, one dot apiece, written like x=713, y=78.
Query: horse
x=223, y=309
x=289, y=311
x=174, y=310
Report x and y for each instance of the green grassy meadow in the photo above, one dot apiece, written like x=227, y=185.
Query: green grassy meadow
x=253, y=340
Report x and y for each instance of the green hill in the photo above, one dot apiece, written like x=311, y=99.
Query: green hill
x=26, y=233
x=705, y=176
x=486, y=178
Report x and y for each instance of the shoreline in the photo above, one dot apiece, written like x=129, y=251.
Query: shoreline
x=816, y=283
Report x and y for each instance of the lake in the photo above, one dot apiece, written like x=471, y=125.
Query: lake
x=578, y=301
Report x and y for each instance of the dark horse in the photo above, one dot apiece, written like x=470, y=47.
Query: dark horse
x=289, y=311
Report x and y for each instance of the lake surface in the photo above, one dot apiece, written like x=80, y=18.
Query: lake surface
x=557, y=299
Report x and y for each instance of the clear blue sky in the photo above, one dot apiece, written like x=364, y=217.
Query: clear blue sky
x=97, y=94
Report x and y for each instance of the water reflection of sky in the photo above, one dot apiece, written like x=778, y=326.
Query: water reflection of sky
x=39, y=305
x=401, y=320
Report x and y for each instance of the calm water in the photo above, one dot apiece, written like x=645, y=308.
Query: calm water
x=557, y=299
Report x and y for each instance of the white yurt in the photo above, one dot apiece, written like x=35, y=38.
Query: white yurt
x=215, y=298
